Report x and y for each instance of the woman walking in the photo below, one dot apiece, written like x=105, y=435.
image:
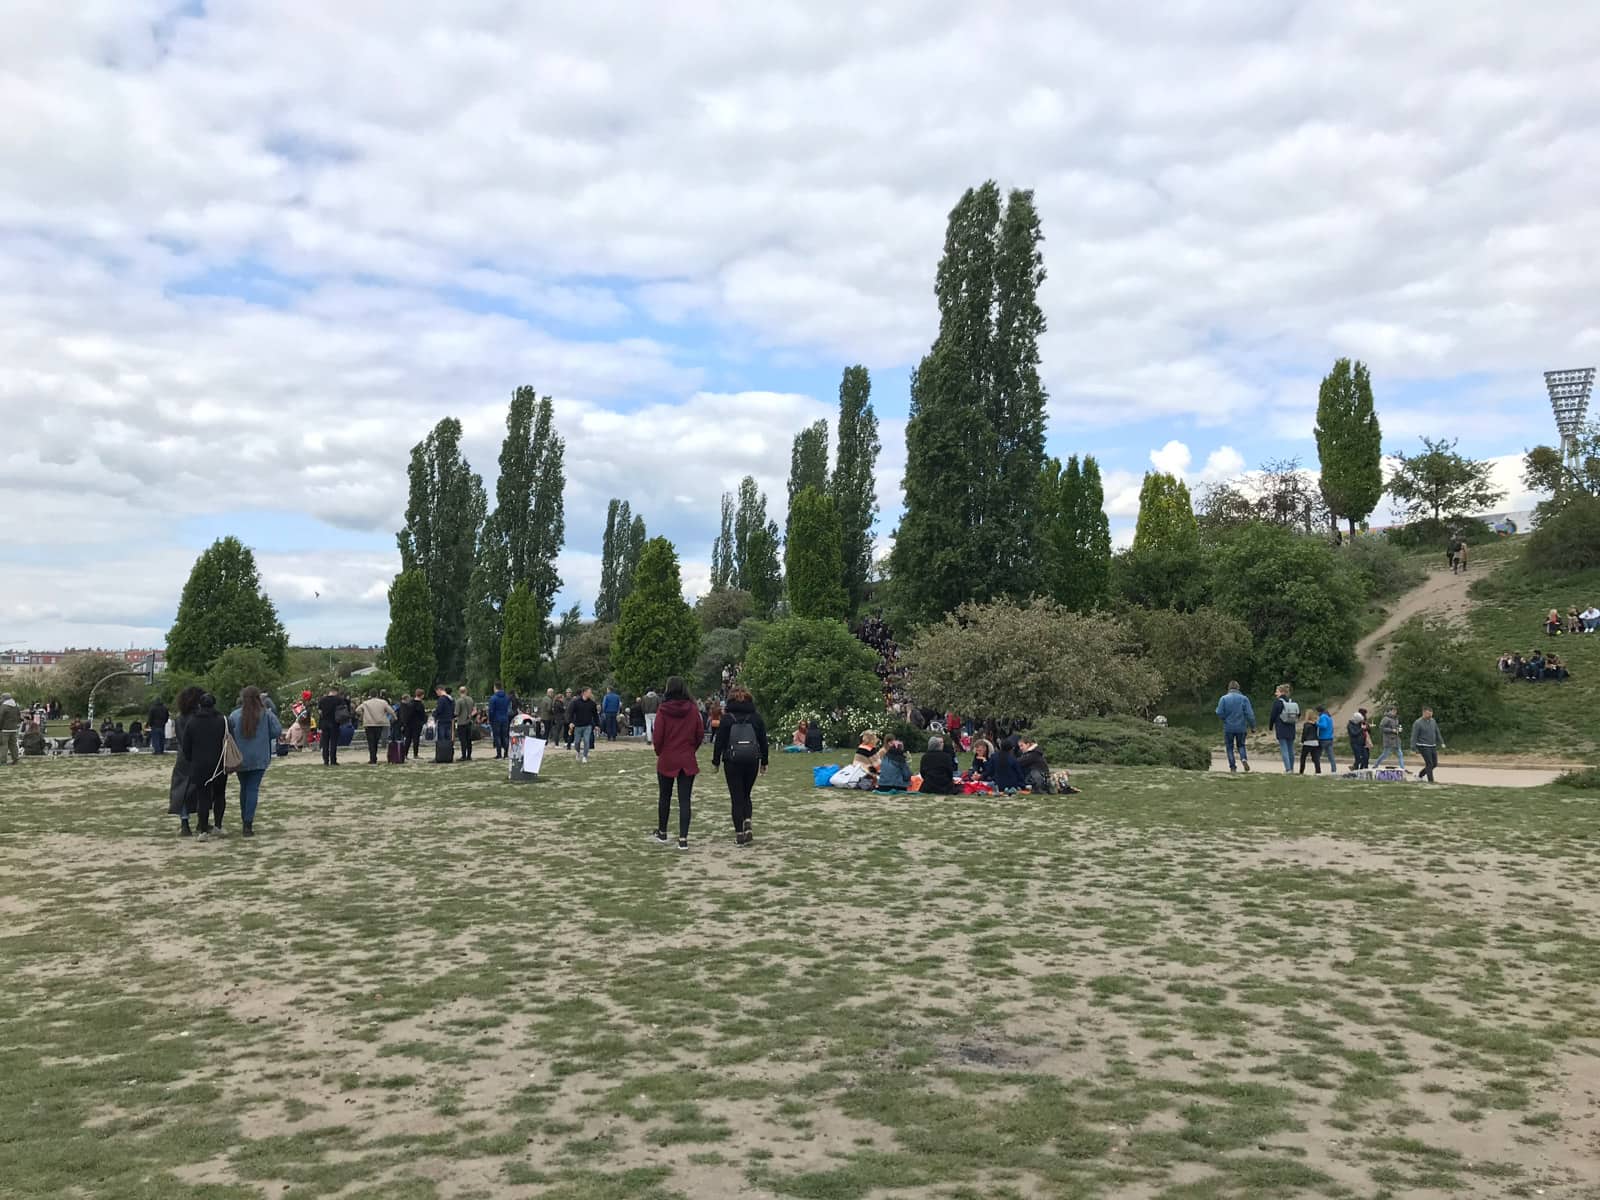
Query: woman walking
x=255, y=729
x=201, y=745
x=678, y=734
x=741, y=746
x=186, y=703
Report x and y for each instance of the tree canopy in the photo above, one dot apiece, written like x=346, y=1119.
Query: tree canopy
x=657, y=633
x=223, y=605
x=1440, y=482
x=755, y=549
x=410, y=640
x=854, y=482
x=445, y=511
x=813, y=666
x=1075, y=534
x=815, y=574
x=1349, y=443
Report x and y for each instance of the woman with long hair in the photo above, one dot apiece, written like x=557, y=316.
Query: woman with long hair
x=178, y=794
x=677, y=736
x=255, y=729
x=740, y=746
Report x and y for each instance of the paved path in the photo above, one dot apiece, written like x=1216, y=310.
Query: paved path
x=1468, y=773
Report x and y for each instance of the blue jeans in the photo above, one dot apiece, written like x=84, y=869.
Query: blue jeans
x=582, y=740
x=1327, y=754
x=158, y=739
x=1286, y=745
x=1230, y=740
x=502, y=737
x=249, y=793
x=1384, y=753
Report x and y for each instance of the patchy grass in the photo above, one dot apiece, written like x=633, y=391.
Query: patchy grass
x=422, y=982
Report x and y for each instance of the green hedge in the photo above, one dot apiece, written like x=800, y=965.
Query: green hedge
x=1122, y=742
x=1587, y=779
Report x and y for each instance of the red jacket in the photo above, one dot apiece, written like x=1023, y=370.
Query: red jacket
x=678, y=733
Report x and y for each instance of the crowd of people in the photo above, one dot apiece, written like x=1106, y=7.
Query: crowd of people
x=876, y=635
x=1537, y=667
x=1314, y=731
x=1586, y=621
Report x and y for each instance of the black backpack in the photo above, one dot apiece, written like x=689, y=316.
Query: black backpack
x=743, y=746
x=341, y=715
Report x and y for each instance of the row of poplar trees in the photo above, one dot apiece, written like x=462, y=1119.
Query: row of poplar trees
x=475, y=589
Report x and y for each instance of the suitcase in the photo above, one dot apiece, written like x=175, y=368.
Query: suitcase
x=397, y=751
x=444, y=751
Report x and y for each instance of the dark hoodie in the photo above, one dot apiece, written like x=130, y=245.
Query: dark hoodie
x=677, y=735
x=203, y=734
x=738, y=712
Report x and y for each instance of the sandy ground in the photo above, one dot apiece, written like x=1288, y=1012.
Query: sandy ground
x=1449, y=773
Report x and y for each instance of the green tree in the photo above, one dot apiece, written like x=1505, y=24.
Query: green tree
x=237, y=668
x=445, y=511
x=222, y=605
x=854, y=484
x=723, y=647
x=1432, y=665
x=1545, y=469
x=1193, y=652
x=1024, y=662
x=1440, y=482
x=485, y=600
x=724, y=557
x=975, y=437
x=724, y=609
x=73, y=678
x=1349, y=443
x=808, y=466
x=585, y=658
x=409, y=644
x=632, y=545
x=755, y=545
x=613, y=560
x=813, y=666
x=522, y=647
x=1075, y=534
x=1166, y=515
x=815, y=574
x=657, y=633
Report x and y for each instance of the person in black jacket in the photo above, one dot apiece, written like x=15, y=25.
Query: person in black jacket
x=416, y=718
x=444, y=721
x=328, y=726
x=583, y=714
x=1035, y=770
x=741, y=746
x=118, y=740
x=938, y=769
x=86, y=741
x=1006, y=775
x=157, y=725
x=202, y=740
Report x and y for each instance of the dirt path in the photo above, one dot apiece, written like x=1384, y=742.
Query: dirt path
x=1441, y=594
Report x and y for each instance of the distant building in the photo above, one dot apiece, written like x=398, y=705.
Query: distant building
x=29, y=661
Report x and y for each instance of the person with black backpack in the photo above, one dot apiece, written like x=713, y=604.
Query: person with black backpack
x=741, y=745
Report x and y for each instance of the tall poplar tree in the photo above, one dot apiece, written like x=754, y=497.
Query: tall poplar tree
x=222, y=606
x=975, y=437
x=444, y=512
x=522, y=647
x=632, y=548
x=1349, y=443
x=808, y=466
x=613, y=561
x=854, y=482
x=755, y=548
x=1092, y=562
x=409, y=644
x=811, y=558
x=724, y=559
x=1166, y=516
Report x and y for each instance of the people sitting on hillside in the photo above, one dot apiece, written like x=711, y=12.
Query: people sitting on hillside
x=894, y=771
x=938, y=769
x=1515, y=671
x=1574, y=621
x=1552, y=623
x=1555, y=669
x=982, y=760
x=118, y=741
x=1509, y=663
x=1006, y=773
x=1031, y=762
x=136, y=733
x=1534, y=667
x=86, y=740
x=1590, y=618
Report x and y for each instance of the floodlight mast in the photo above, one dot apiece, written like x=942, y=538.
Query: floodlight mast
x=1569, y=400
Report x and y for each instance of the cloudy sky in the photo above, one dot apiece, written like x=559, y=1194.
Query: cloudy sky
x=251, y=250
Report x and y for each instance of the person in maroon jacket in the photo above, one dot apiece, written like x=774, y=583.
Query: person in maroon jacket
x=677, y=735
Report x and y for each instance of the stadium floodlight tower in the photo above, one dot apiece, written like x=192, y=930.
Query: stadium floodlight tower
x=1569, y=397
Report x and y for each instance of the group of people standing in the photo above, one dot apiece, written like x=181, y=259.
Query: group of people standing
x=1315, y=734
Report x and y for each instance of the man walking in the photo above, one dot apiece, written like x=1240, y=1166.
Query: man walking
x=1426, y=741
x=611, y=706
x=500, y=721
x=581, y=715
x=557, y=724
x=1389, y=727
x=652, y=703
x=1325, y=736
x=465, y=729
x=1237, y=715
x=159, y=716
x=1285, y=722
x=331, y=712
x=375, y=715
x=10, y=727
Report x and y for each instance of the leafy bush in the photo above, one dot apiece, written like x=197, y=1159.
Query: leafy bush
x=1122, y=742
x=1383, y=568
x=841, y=728
x=585, y=660
x=1193, y=652
x=916, y=740
x=811, y=666
x=721, y=647
x=1568, y=539
x=1023, y=662
x=71, y=681
x=724, y=608
x=1429, y=534
x=237, y=668
x=1299, y=599
x=1161, y=577
x=1432, y=665
x=1587, y=779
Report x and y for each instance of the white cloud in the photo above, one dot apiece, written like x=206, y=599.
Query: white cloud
x=1173, y=458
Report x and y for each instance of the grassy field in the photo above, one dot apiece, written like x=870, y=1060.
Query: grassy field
x=422, y=982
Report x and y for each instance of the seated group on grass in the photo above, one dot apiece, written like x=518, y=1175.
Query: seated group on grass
x=1018, y=765
x=1536, y=668
x=1586, y=621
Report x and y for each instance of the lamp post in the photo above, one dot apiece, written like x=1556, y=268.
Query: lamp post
x=1569, y=400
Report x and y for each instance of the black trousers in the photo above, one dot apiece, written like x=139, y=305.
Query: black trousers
x=1430, y=760
x=330, y=746
x=464, y=735
x=413, y=741
x=210, y=801
x=374, y=733
x=664, y=809
x=1316, y=757
x=741, y=780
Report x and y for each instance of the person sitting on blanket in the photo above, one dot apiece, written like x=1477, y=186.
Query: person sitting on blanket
x=938, y=769
x=894, y=772
x=868, y=752
x=982, y=760
x=800, y=732
x=1555, y=669
x=1006, y=773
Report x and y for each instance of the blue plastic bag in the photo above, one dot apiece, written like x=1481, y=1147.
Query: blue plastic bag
x=822, y=776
